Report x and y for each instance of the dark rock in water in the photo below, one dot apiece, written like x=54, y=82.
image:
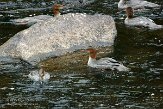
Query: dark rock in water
x=60, y=35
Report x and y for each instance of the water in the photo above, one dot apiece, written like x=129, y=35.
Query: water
x=77, y=86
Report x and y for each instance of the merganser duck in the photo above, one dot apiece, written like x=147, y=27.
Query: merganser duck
x=122, y=4
x=104, y=63
x=139, y=21
x=39, y=75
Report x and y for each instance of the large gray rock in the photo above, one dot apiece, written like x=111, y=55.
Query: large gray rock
x=60, y=35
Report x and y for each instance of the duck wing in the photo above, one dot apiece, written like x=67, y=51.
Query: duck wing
x=107, y=60
x=46, y=77
x=142, y=3
x=34, y=76
x=146, y=19
x=150, y=4
x=109, y=63
x=150, y=23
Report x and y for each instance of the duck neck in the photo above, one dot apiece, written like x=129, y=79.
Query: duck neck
x=130, y=17
x=41, y=73
x=92, y=57
x=91, y=60
x=56, y=12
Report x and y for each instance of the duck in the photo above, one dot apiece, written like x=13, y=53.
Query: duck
x=39, y=75
x=140, y=20
x=104, y=63
x=136, y=4
x=29, y=21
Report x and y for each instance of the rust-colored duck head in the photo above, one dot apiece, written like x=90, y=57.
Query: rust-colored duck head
x=56, y=9
x=129, y=12
x=92, y=52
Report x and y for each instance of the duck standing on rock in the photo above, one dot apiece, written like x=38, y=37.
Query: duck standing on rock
x=39, y=75
x=104, y=63
x=140, y=21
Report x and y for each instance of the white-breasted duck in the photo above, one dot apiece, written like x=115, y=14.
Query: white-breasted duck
x=104, y=63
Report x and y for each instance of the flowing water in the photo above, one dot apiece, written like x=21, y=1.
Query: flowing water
x=80, y=87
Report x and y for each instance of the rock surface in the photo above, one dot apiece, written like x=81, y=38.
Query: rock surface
x=60, y=35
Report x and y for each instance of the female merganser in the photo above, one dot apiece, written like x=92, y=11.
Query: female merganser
x=39, y=75
x=140, y=21
x=122, y=4
x=56, y=9
x=104, y=63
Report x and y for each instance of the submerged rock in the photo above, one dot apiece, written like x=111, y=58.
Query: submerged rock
x=60, y=35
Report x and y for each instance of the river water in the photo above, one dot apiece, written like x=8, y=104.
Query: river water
x=76, y=87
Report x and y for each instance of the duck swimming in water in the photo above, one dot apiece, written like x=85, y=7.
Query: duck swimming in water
x=39, y=75
x=122, y=4
x=139, y=21
x=104, y=63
